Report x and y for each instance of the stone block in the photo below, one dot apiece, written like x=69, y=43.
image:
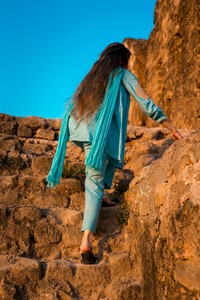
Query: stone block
x=32, y=122
x=26, y=215
x=8, y=127
x=120, y=264
x=188, y=274
x=92, y=275
x=54, y=123
x=67, y=216
x=77, y=200
x=46, y=233
x=24, y=131
x=46, y=134
x=71, y=238
x=7, y=291
x=71, y=184
x=33, y=147
x=124, y=289
x=19, y=270
x=3, y=216
x=59, y=271
x=41, y=164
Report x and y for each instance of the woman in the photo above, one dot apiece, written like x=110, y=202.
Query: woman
x=96, y=120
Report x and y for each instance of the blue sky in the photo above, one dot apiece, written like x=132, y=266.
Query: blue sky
x=48, y=46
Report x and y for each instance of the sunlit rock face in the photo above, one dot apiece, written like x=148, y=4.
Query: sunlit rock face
x=147, y=245
x=137, y=65
x=168, y=67
x=163, y=226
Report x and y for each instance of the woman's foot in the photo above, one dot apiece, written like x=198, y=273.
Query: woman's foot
x=86, y=248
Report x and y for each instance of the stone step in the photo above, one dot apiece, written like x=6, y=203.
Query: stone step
x=64, y=279
x=51, y=233
x=26, y=189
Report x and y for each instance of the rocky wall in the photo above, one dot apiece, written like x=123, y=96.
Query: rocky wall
x=170, y=74
x=146, y=246
x=163, y=229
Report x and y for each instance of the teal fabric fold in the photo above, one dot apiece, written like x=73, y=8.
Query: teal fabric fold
x=95, y=155
x=54, y=175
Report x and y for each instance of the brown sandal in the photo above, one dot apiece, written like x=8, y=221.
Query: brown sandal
x=88, y=257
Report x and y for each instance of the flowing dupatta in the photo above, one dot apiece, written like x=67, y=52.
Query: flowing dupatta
x=54, y=175
x=95, y=155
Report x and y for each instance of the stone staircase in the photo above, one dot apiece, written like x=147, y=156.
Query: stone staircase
x=40, y=231
x=40, y=239
x=40, y=227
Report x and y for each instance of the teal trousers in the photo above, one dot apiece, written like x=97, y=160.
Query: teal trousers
x=95, y=183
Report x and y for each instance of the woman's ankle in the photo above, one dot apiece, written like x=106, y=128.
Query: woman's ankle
x=86, y=244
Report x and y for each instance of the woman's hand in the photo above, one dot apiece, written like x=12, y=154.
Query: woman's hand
x=176, y=135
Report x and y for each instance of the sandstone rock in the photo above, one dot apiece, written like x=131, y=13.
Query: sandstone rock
x=10, y=144
x=137, y=65
x=108, y=219
x=120, y=264
x=188, y=274
x=67, y=216
x=15, y=239
x=74, y=152
x=64, y=296
x=123, y=290
x=7, y=291
x=14, y=162
x=77, y=200
x=92, y=275
x=3, y=215
x=73, y=170
x=36, y=147
x=24, y=131
x=8, y=182
x=9, y=197
x=142, y=161
x=41, y=164
x=168, y=62
x=19, y=270
x=59, y=271
x=71, y=239
x=26, y=215
x=164, y=209
x=47, y=134
x=46, y=233
x=8, y=127
x=54, y=123
x=33, y=122
x=70, y=184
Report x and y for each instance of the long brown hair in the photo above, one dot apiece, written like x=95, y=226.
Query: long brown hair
x=89, y=94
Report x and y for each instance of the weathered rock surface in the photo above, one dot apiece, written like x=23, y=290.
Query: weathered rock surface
x=163, y=227
x=167, y=64
x=147, y=246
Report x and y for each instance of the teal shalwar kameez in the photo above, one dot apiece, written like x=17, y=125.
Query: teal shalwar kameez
x=86, y=134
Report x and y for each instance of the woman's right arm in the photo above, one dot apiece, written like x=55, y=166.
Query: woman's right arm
x=146, y=104
x=176, y=134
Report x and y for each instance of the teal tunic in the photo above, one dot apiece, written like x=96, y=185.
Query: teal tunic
x=83, y=131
